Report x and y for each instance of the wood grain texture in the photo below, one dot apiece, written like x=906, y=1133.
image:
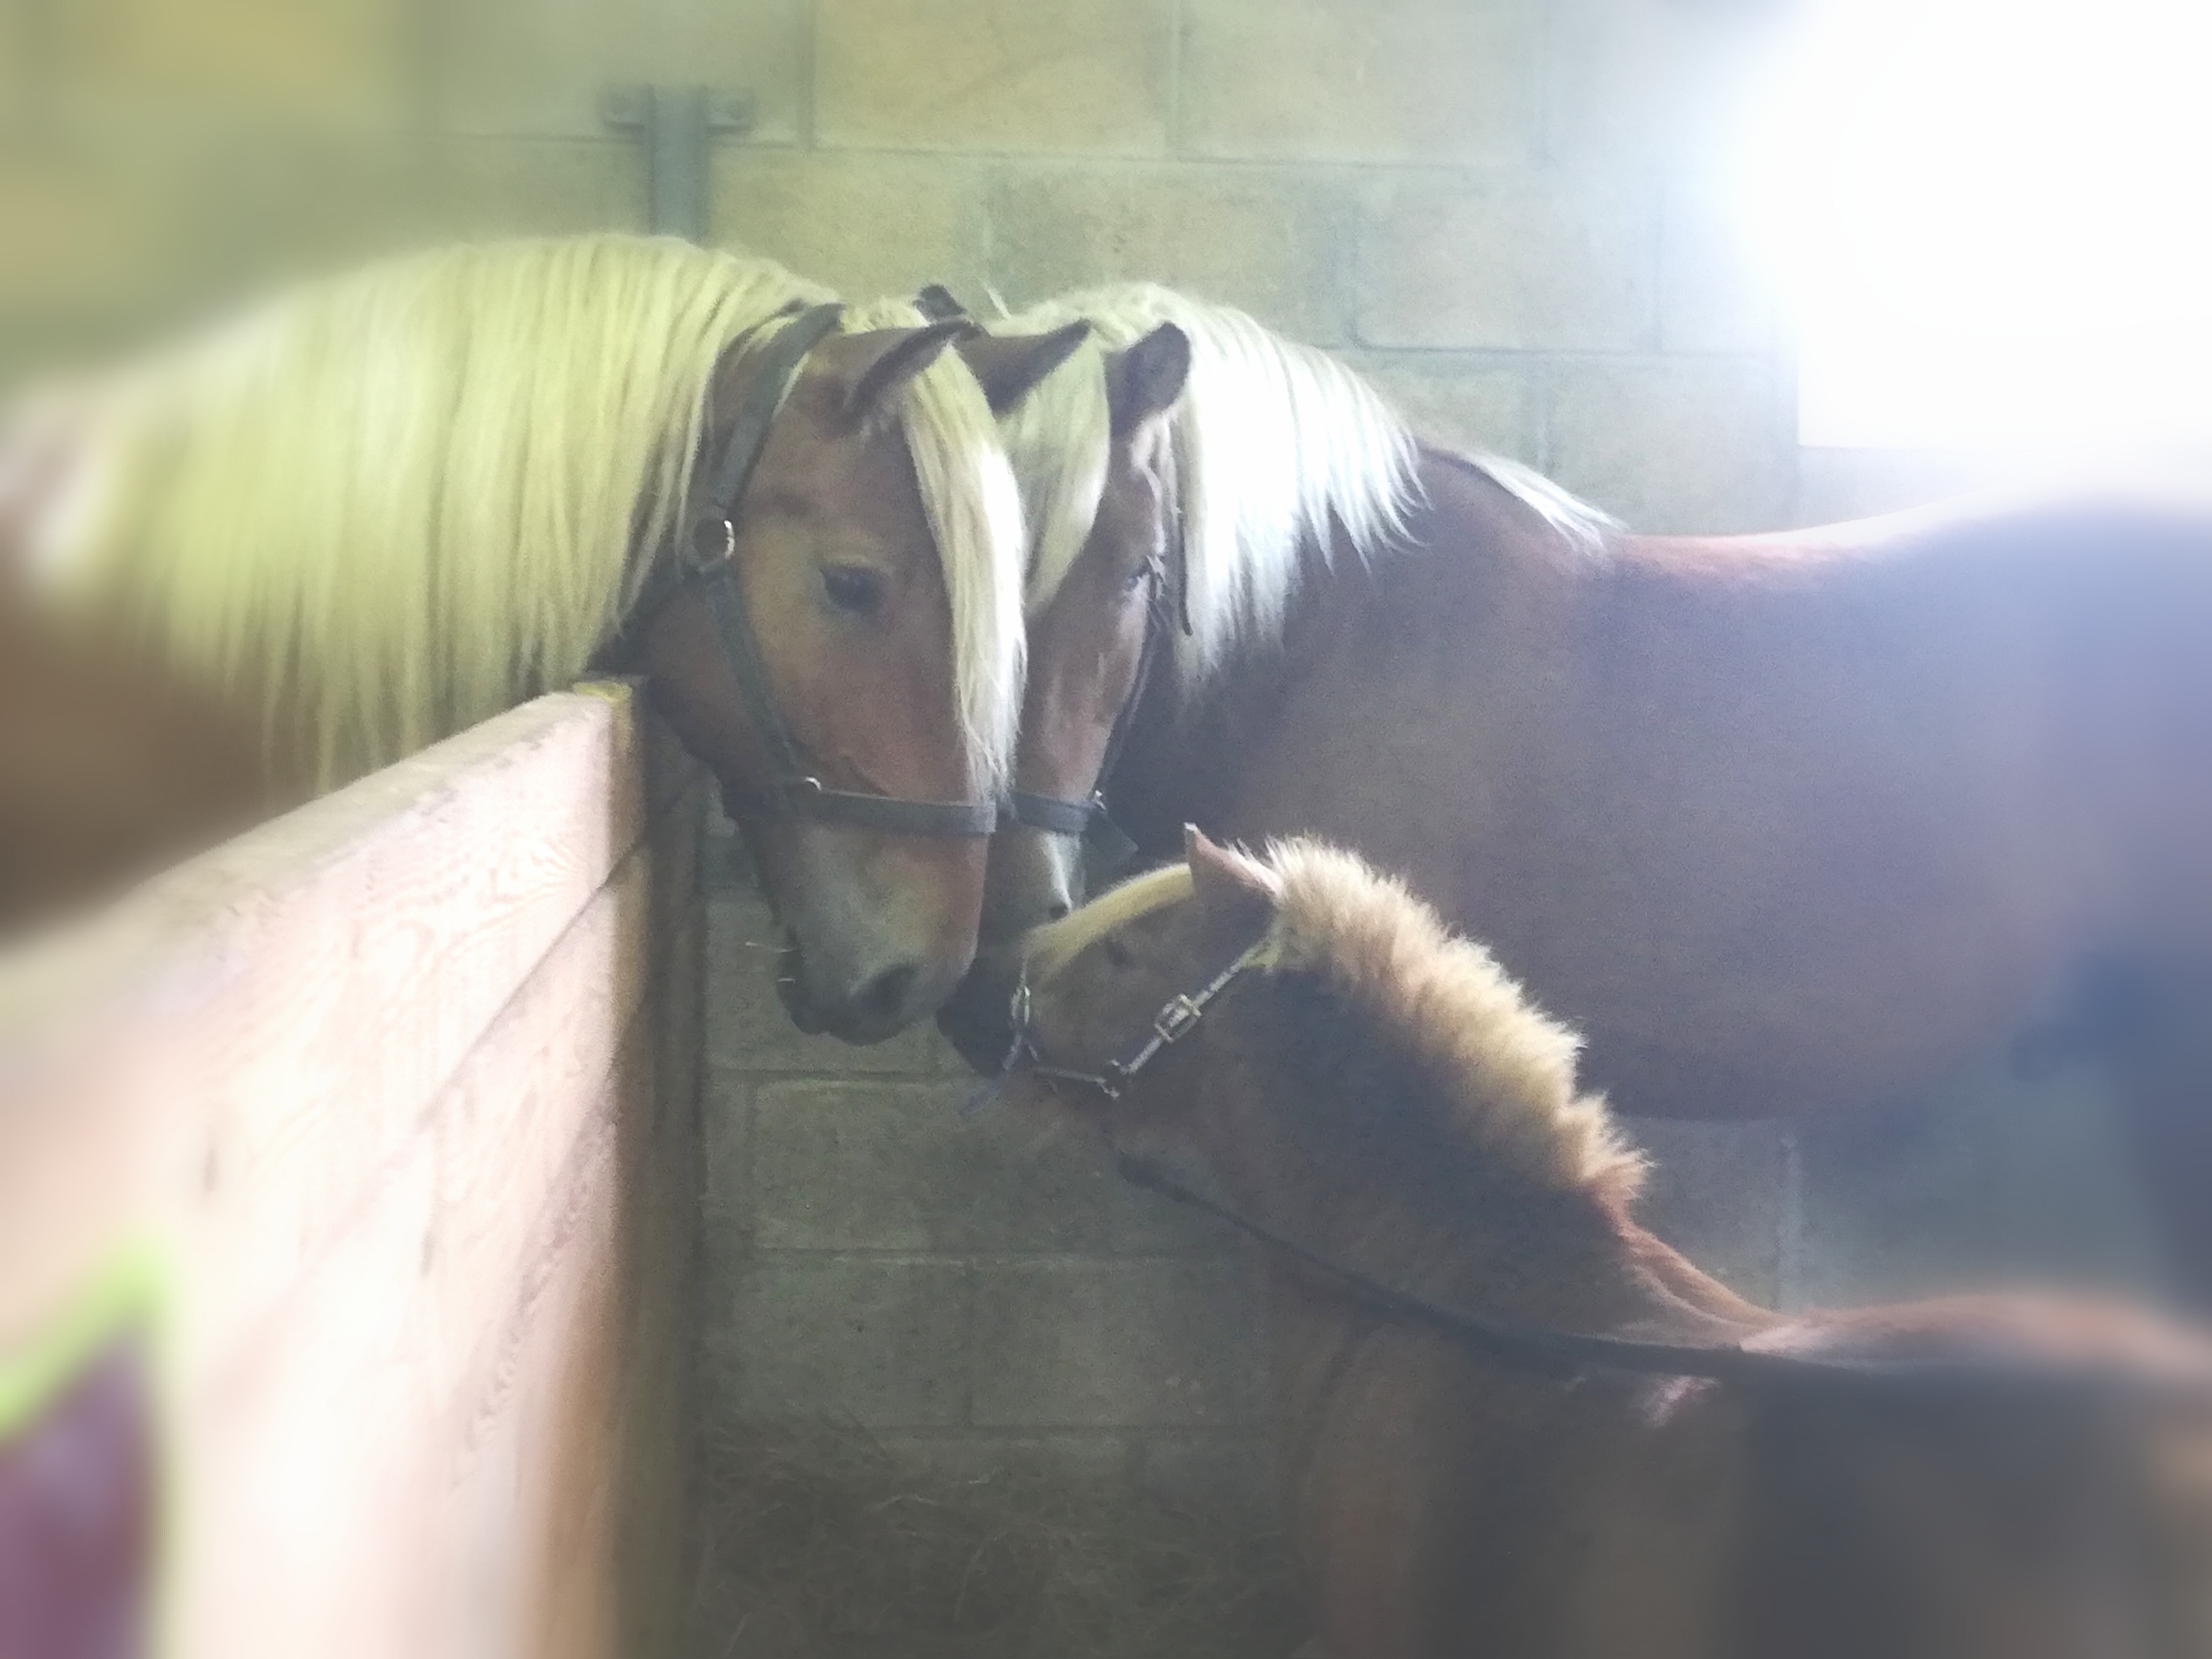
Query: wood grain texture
x=407, y=1086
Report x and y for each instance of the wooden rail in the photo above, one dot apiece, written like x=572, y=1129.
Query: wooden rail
x=394, y=1104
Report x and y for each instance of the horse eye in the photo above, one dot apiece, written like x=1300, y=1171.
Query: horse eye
x=852, y=588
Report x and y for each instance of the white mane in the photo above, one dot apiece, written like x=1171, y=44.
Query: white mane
x=383, y=506
x=1277, y=448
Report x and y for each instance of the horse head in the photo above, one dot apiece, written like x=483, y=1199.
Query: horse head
x=1104, y=591
x=858, y=710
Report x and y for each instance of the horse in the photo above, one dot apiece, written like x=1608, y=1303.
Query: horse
x=1511, y=1422
x=1786, y=824
x=380, y=507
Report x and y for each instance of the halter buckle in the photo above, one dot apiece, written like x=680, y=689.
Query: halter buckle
x=1176, y=1018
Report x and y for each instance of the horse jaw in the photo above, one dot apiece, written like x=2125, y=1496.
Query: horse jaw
x=876, y=933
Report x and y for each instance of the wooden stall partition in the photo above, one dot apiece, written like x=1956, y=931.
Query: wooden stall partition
x=373, y=1137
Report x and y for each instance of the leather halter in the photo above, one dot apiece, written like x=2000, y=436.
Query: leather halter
x=1178, y=1016
x=704, y=560
x=1088, y=819
x=1548, y=1349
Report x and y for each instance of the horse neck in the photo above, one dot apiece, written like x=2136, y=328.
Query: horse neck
x=1469, y=549
x=1362, y=1170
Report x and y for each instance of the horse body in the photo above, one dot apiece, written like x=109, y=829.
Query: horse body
x=1386, y=1098
x=1786, y=824
x=109, y=770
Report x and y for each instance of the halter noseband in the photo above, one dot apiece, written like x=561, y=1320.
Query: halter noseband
x=704, y=560
x=1176, y=1020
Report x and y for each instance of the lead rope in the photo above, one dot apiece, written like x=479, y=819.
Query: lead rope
x=1550, y=1352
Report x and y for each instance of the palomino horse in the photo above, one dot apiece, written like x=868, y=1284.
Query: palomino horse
x=1511, y=1422
x=389, y=505
x=1788, y=823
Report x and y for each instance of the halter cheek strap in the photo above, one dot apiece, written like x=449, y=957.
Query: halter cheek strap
x=1177, y=1017
x=1088, y=819
x=704, y=560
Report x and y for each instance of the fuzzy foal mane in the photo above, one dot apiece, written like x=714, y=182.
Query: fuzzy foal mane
x=1498, y=1073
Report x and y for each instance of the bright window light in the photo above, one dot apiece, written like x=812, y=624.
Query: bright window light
x=1992, y=220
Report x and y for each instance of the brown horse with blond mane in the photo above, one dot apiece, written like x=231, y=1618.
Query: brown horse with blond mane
x=385, y=506
x=1795, y=823
x=1972, y=1479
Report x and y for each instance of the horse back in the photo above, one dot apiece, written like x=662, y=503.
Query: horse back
x=1985, y=1522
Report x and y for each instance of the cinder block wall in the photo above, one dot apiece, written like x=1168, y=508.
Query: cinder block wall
x=1501, y=208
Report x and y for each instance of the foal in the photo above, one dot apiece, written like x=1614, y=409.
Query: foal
x=1383, y=1095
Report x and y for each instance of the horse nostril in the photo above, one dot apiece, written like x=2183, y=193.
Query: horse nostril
x=1055, y=912
x=885, y=994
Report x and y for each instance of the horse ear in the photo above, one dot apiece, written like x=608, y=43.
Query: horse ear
x=896, y=356
x=1145, y=379
x=937, y=303
x=1009, y=367
x=1222, y=874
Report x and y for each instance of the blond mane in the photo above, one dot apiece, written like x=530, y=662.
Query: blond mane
x=1500, y=1068
x=1276, y=449
x=1049, y=948
x=385, y=506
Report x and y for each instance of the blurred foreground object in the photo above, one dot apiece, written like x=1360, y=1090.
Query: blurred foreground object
x=400, y=1094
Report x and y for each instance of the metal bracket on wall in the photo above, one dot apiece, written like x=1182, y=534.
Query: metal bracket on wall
x=679, y=124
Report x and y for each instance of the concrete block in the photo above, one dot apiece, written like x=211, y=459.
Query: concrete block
x=1713, y=296
x=726, y=1131
x=866, y=225
x=1079, y=1458
x=538, y=67
x=885, y=1166
x=1234, y=1474
x=87, y=232
x=1481, y=406
x=1898, y=1203
x=1720, y=1195
x=1271, y=242
x=1518, y=262
x=747, y=1029
x=1683, y=444
x=20, y=71
x=488, y=187
x=1978, y=1182
x=885, y=1343
x=161, y=224
x=1647, y=82
x=1425, y=81
x=1101, y=1345
x=336, y=66
x=1087, y=76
